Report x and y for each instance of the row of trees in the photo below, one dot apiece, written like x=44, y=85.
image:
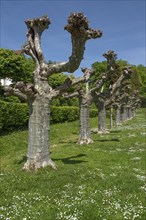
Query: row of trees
x=105, y=87
x=111, y=90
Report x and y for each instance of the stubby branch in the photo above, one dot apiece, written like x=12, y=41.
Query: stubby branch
x=80, y=32
x=35, y=29
x=15, y=92
x=71, y=82
x=125, y=75
x=111, y=57
x=21, y=90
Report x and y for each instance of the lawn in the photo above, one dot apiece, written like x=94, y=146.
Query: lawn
x=102, y=181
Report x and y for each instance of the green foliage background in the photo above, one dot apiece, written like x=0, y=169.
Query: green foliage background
x=14, y=66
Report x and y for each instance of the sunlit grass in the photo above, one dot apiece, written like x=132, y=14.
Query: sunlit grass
x=102, y=181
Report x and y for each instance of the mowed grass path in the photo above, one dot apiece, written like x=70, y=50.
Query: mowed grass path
x=102, y=181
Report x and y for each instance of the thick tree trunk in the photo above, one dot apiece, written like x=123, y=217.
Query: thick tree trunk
x=84, y=122
x=101, y=118
x=38, y=136
x=118, y=116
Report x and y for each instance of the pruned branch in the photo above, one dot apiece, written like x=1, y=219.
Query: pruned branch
x=119, y=83
x=71, y=82
x=67, y=95
x=21, y=90
x=80, y=32
x=111, y=57
x=28, y=89
x=14, y=92
x=99, y=83
x=35, y=29
x=87, y=74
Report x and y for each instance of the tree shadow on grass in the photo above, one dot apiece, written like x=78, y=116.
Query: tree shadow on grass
x=67, y=142
x=107, y=140
x=117, y=131
x=12, y=130
x=72, y=159
x=67, y=160
x=23, y=160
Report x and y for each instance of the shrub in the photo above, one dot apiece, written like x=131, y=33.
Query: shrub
x=13, y=99
x=14, y=115
x=64, y=113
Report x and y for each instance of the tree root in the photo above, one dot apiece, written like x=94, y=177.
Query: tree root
x=31, y=165
x=85, y=141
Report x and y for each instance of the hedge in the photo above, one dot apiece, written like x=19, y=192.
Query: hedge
x=14, y=115
x=67, y=113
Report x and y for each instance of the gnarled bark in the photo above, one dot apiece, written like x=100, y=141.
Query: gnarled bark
x=102, y=129
x=85, y=101
x=38, y=140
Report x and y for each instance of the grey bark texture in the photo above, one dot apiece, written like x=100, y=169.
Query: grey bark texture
x=84, y=102
x=118, y=115
x=102, y=129
x=38, y=140
x=84, y=123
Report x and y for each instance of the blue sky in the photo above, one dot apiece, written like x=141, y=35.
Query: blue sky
x=121, y=21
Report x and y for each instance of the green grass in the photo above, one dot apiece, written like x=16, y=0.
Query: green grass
x=101, y=181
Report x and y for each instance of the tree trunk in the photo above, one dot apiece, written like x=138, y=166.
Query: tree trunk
x=126, y=114
x=101, y=118
x=123, y=114
x=111, y=117
x=118, y=116
x=130, y=113
x=38, y=136
x=84, y=122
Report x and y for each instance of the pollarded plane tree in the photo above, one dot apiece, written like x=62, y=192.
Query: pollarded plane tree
x=118, y=100
x=85, y=100
x=115, y=103
x=134, y=103
x=39, y=94
x=84, y=97
x=102, y=98
x=129, y=105
x=125, y=103
x=134, y=106
x=84, y=93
